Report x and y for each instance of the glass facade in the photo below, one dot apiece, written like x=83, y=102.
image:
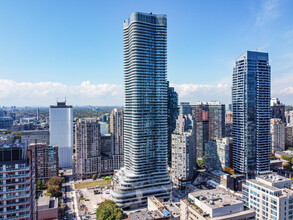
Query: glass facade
x=251, y=94
x=145, y=117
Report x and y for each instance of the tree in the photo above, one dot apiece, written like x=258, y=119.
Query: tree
x=17, y=136
x=286, y=157
x=272, y=156
x=287, y=166
x=94, y=176
x=54, y=186
x=62, y=209
x=99, y=176
x=55, y=190
x=108, y=210
x=39, y=184
x=201, y=162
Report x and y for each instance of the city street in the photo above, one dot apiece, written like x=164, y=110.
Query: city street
x=68, y=185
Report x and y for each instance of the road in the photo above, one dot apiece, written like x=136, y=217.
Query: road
x=68, y=185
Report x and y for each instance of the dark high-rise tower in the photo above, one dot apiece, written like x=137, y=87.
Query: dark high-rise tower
x=251, y=94
x=145, y=117
x=173, y=112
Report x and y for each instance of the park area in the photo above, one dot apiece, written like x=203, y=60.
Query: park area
x=92, y=184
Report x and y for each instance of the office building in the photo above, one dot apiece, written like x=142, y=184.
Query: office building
x=87, y=158
x=185, y=108
x=35, y=136
x=46, y=161
x=277, y=109
x=61, y=132
x=104, y=128
x=116, y=129
x=17, y=185
x=218, y=154
x=210, y=118
x=183, y=151
x=289, y=136
x=145, y=116
x=107, y=147
x=270, y=196
x=216, y=116
x=277, y=135
x=213, y=204
x=251, y=113
x=228, y=124
x=173, y=112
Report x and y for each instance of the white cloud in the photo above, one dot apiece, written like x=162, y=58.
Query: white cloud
x=87, y=93
x=204, y=92
x=269, y=11
x=45, y=93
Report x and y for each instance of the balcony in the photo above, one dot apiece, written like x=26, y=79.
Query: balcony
x=15, y=204
x=14, y=190
x=14, y=211
x=15, y=196
x=26, y=216
x=21, y=168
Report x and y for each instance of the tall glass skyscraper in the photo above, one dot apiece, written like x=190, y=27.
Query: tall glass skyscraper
x=251, y=94
x=145, y=118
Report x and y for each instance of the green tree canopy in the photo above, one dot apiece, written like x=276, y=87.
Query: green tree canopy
x=54, y=186
x=286, y=157
x=272, y=156
x=108, y=210
x=201, y=162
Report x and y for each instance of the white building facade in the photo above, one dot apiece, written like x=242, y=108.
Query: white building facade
x=277, y=134
x=270, y=196
x=61, y=132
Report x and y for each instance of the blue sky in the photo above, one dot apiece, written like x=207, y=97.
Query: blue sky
x=74, y=49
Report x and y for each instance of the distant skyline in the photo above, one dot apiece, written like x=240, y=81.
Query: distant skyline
x=74, y=49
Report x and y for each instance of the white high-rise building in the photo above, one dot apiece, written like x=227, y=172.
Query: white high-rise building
x=278, y=134
x=183, y=151
x=145, y=117
x=61, y=132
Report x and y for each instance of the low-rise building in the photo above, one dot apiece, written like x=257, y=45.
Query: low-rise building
x=167, y=209
x=213, y=204
x=47, y=208
x=147, y=215
x=270, y=196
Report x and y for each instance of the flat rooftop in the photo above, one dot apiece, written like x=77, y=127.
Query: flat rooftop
x=215, y=198
x=145, y=215
x=273, y=178
x=45, y=202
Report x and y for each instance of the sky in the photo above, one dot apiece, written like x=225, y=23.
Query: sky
x=55, y=49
